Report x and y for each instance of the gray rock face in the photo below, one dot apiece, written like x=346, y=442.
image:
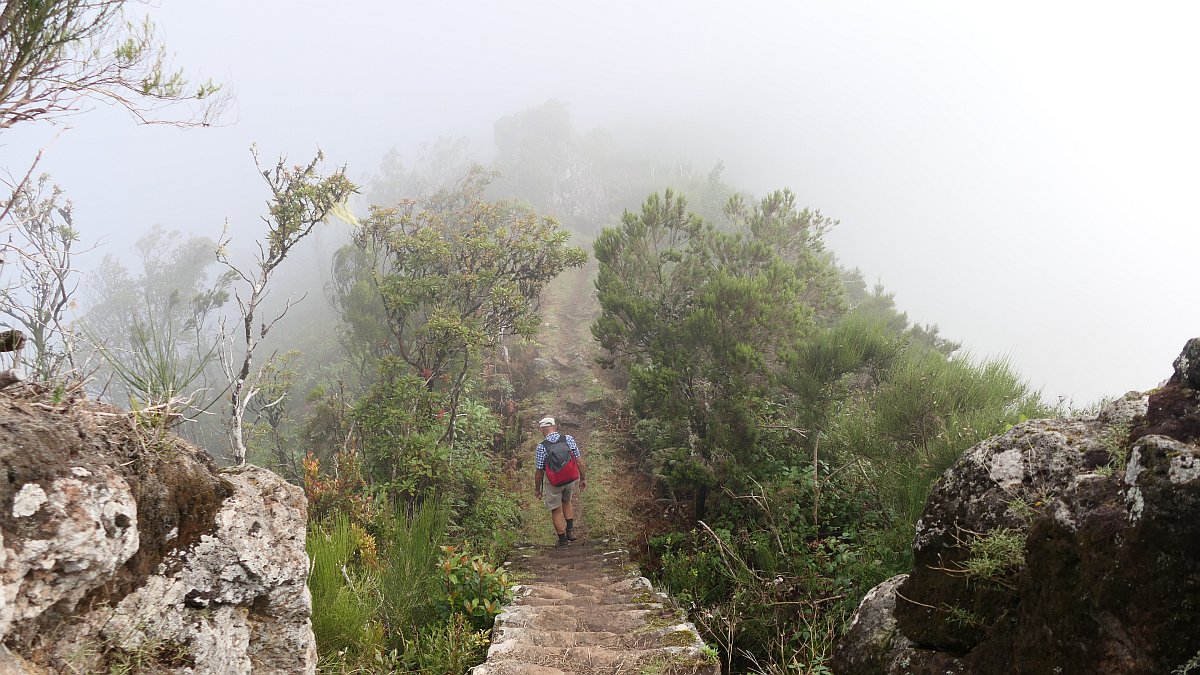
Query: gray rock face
x=70, y=537
x=236, y=601
x=1104, y=571
x=1187, y=365
x=117, y=546
x=874, y=644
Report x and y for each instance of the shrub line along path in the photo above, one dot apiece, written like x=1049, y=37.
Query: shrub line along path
x=583, y=608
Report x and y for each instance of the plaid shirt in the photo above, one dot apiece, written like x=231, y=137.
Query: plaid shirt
x=539, y=460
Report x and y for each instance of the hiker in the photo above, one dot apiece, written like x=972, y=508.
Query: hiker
x=559, y=462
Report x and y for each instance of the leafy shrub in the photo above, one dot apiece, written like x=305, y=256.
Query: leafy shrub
x=400, y=433
x=452, y=646
x=473, y=586
x=340, y=491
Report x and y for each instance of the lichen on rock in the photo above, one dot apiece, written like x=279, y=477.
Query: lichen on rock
x=117, y=541
x=1109, y=529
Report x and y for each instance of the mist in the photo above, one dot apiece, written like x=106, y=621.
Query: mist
x=1023, y=178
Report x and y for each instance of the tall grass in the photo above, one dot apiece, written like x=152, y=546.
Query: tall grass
x=408, y=579
x=927, y=411
x=369, y=597
x=345, y=599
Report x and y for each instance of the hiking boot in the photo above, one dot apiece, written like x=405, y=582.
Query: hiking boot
x=571, y=535
x=563, y=540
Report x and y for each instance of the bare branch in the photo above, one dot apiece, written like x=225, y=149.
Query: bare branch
x=301, y=199
x=57, y=55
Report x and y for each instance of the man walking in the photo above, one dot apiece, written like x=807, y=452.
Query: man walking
x=558, y=462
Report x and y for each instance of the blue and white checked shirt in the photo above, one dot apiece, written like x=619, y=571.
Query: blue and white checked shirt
x=539, y=460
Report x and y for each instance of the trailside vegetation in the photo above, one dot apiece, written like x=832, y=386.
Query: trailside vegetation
x=793, y=421
x=409, y=514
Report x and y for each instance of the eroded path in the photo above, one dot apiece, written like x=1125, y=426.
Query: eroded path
x=583, y=609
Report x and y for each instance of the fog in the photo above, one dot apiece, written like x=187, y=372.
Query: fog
x=1024, y=177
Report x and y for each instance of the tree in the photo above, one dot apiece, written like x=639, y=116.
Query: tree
x=156, y=329
x=701, y=317
x=300, y=199
x=57, y=54
x=54, y=56
x=456, y=273
x=270, y=408
x=41, y=246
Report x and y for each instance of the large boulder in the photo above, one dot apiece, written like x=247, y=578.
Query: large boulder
x=1062, y=546
x=874, y=644
x=121, y=544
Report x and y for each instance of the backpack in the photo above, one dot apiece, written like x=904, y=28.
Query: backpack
x=561, y=467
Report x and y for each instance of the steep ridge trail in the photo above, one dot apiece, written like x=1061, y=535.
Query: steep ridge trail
x=583, y=608
x=585, y=611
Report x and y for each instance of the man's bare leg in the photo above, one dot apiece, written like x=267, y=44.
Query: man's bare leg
x=560, y=521
x=568, y=508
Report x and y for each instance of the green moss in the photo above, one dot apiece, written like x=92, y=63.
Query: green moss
x=669, y=665
x=679, y=638
x=643, y=598
x=663, y=619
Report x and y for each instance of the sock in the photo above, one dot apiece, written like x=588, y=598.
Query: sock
x=570, y=524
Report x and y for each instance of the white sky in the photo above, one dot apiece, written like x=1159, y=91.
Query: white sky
x=1024, y=174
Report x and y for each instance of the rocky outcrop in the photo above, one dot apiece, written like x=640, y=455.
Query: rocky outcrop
x=122, y=546
x=1062, y=546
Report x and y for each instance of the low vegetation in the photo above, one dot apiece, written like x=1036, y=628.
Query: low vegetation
x=793, y=420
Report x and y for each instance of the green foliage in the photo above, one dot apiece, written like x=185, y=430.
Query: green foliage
x=807, y=435
x=54, y=54
x=964, y=617
x=701, y=317
x=452, y=646
x=473, y=586
x=398, y=427
x=345, y=600
x=408, y=581
x=1116, y=442
x=926, y=411
x=455, y=273
x=388, y=597
x=156, y=374
x=994, y=556
x=271, y=415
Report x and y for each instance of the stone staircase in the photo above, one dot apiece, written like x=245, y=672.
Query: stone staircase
x=583, y=610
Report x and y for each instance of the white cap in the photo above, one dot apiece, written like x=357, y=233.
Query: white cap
x=547, y=422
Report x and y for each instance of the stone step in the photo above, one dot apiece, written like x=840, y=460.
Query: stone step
x=583, y=610
x=522, y=616
x=668, y=636
x=594, y=659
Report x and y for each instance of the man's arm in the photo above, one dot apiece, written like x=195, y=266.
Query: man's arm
x=537, y=482
x=578, y=452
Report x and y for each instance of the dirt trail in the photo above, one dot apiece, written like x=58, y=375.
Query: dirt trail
x=584, y=610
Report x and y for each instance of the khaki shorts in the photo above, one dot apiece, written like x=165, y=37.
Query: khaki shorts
x=553, y=496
